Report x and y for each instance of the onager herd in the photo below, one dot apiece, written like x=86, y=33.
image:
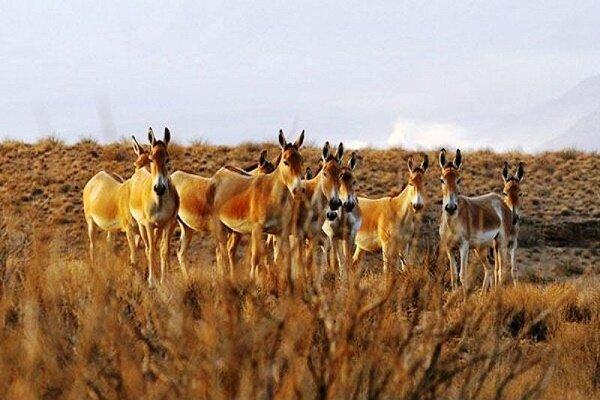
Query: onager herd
x=311, y=221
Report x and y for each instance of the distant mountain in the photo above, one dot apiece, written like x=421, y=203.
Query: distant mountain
x=571, y=120
x=582, y=135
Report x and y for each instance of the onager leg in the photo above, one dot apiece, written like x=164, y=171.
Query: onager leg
x=131, y=243
x=165, y=249
x=497, y=263
x=487, y=277
x=388, y=249
x=220, y=234
x=184, y=242
x=232, y=244
x=109, y=241
x=150, y=248
x=357, y=257
x=144, y=237
x=453, y=268
x=328, y=250
x=256, y=245
x=91, y=235
x=347, y=249
x=464, y=261
x=338, y=248
x=514, y=272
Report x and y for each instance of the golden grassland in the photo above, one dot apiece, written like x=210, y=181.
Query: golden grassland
x=74, y=330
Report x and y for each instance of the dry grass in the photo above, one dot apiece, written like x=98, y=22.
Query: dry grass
x=73, y=330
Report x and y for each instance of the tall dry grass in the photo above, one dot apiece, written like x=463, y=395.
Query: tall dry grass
x=74, y=330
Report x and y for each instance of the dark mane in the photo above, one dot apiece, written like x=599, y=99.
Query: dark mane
x=251, y=167
x=117, y=177
x=237, y=170
x=318, y=169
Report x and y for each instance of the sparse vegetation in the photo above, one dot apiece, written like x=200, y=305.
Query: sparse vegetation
x=74, y=330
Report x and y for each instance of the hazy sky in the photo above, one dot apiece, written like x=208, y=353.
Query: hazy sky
x=377, y=72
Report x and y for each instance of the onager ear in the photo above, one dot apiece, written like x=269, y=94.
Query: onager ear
x=151, y=137
x=409, y=162
x=300, y=140
x=136, y=146
x=457, y=159
x=262, y=159
x=325, y=152
x=340, y=152
x=167, y=136
x=309, y=174
x=425, y=163
x=505, y=171
x=282, y=141
x=442, y=158
x=352, y=161
x=520, y=172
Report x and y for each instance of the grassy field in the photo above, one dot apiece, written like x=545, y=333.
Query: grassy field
x=75, y=330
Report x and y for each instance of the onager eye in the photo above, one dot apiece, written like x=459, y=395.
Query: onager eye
x=442, y=180
x=286, y=163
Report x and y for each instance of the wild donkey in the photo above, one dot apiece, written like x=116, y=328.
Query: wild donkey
x=154, y=202
x=471, y=221
x=342, y=230
x=389, y=224
x=106, y=205
x=256, y=205
x=194, y=209
x=512, y=198
x=321, y=201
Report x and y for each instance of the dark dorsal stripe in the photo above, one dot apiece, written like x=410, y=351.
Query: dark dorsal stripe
x=237, y=170
x=250, y=167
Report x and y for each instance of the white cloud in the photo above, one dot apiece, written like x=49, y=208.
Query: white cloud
x=355, y=144
x=426, y=135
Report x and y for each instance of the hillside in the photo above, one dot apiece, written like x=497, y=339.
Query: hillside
x=42, y=184
x=74, y=329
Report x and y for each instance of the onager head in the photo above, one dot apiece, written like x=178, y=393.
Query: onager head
x=347, y=184
x=262, y=167
x=450, y=181
x=143, y=157
x=159, y=161
x=329, y=177
x=416, y=183
x=290, y=165
x=512, y=189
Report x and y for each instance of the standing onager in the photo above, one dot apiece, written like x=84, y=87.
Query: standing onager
x=342, y=230
x=321, y=200
x=263, y=166
x=194, y=208
x=154, y=202
x=257, y=204
x=389, y=224
x=106, y=205
x=512, y=198
x=471, y=221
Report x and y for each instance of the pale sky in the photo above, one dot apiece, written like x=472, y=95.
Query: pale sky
x=376, y=72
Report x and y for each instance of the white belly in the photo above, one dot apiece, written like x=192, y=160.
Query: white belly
x=368, y=242
x=107, y=224
x=483, y=237
x=240, y=226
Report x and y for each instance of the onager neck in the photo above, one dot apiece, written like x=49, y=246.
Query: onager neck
x=401, y=202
